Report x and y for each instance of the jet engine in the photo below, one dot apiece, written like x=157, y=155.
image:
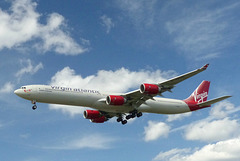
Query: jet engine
x=94, y=116
x=149, y=88
x=91, y=114
x=115, y=100
x=101, y=119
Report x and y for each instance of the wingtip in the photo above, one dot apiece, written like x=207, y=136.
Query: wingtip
x=228, y=96
x=205, y=66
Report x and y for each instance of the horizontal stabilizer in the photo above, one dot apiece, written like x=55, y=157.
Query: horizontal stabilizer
x=208, y=103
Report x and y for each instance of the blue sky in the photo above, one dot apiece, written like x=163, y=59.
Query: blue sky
x=116, y=46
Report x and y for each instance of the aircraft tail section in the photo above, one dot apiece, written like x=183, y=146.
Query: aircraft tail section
x=198, y=99
x=200, y=94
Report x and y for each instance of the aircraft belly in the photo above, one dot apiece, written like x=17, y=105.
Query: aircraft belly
x=79, y=99
x=102, y=106
x=164, y=106
x=67, y=98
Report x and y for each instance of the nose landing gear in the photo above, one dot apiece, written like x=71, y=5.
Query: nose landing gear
x=34, y=107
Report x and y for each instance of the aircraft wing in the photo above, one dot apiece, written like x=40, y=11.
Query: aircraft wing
x=137, y=98
x=172, y=82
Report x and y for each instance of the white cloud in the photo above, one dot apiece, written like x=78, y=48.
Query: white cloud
x=222, y=109
x=7, y=88
x=119, y=81
x=224, y=150
x=203, y=34
x=140, y=12
x=54, y=38
x=155, y=130
x=25, y=136
x=20, y=25
x=70, y=110
x=218, y=126
x=172, y=154
x=107, y=23
x=212, y=131
x=28, y=68
x=178, y=116
x=221, y=124
x=92, y=141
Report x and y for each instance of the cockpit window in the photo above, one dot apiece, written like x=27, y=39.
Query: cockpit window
x=23, y=87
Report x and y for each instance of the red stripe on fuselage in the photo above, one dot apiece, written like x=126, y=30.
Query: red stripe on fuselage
x=193, y=106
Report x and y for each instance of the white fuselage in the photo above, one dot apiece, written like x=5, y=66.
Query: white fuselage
x=96, y=100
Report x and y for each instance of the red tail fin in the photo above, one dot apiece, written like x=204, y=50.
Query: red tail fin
x=199, y=95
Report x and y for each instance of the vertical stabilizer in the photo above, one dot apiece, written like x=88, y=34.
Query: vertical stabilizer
x=200, y=94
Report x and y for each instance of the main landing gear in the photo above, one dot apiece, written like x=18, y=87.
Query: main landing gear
x=34, y=107
x=130, y=116
x=120, y=119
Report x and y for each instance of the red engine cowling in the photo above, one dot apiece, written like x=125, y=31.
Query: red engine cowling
x=91, y=114
x=149, y=88
x=101, y=119
x=115, y=100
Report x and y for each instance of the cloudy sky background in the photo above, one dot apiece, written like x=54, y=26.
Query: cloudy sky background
x=115, y=46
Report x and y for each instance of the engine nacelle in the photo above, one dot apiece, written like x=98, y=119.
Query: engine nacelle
x=101, y=119
x=91, y=114
x=149, y=88
x=115, y=100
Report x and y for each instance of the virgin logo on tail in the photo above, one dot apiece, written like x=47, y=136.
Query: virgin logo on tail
x=200, y=94
x=199, y=98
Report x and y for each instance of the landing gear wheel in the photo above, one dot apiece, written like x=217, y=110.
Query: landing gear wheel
x=34, y=107
x=139, y=114
x=119, y=119
x=134, y=115
x=128, y=117
x=124, y=122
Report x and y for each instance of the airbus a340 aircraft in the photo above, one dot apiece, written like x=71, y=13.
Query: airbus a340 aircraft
x=126, y=105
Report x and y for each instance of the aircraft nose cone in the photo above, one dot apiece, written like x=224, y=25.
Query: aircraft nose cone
x=17, y=92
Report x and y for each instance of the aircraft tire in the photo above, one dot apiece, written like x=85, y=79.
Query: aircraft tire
x=34, y=107
x=139, y=114
x=119, y=119
x=128, y=117
x=124, y=122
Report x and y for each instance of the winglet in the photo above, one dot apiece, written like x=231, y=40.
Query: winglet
x=205, y=66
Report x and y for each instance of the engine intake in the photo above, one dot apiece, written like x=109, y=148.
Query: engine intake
x=94, y=116
x=115, y=100
x=149, y=88
x=91, y=114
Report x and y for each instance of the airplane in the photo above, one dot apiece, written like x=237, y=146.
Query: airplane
x=124, y=106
